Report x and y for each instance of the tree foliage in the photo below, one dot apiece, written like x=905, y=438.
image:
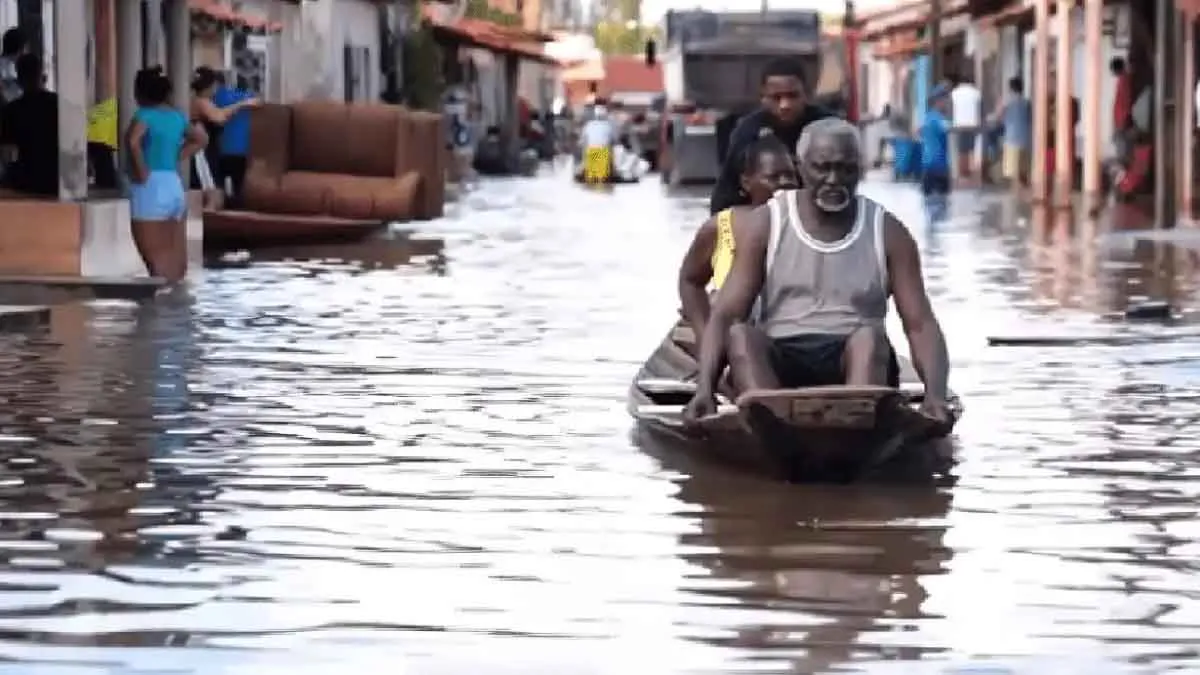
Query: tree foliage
x=480, y=9
x=615, y=37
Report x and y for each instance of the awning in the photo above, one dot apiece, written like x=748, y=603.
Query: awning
x=219, y=13
x=494, y=37
x=900, y=46
x=905, y=17
x=1013, y=13
x=584, y=71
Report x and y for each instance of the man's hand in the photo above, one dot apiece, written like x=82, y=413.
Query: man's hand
x=703, y=404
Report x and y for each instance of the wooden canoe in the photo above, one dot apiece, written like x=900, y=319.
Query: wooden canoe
x=821, y=434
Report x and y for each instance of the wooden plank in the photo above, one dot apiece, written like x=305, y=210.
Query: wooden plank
x=832, y=407
x=66, y=280
x=666, y=386
x=42, y=289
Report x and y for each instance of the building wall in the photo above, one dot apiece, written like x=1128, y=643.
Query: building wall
x=8, y=14
x=313, y=49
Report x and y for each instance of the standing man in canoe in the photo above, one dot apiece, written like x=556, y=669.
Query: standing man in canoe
x=822, y=263
x=766, y=167
x=785, y=112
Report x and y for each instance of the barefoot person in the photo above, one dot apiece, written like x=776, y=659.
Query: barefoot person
x=766, y=168
x=822, y=263
x=159, y=140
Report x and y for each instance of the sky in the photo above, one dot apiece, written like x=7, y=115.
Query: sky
x=652, y=10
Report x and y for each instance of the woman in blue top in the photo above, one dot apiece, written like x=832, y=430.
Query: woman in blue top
x=160, y=141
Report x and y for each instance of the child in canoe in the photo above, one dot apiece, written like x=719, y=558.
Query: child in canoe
x=766, y=168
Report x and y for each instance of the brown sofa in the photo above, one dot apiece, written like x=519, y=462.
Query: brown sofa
x=320, y=169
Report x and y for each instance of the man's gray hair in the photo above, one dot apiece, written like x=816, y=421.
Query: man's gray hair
x=834, y=127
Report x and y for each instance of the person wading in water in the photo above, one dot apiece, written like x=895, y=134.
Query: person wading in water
x=766, y=168
x=159, y=139
x=785, y=112
x=822, y=263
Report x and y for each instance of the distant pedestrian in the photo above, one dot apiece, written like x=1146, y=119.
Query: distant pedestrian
x=966, y=112
x=1017, y=116
x=935, y=144
x=1122, y=106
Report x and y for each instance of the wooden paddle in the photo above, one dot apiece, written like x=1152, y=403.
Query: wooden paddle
x=1082, y=341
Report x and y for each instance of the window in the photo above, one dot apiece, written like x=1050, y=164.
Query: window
x=356, y=65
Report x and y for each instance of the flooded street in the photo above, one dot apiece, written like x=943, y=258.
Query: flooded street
x=318, y=467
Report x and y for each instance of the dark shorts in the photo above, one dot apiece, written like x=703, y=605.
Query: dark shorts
x=816, y=360
x=935, y=183
x=966, y=141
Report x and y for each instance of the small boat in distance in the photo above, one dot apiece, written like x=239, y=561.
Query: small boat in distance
x=836, y=433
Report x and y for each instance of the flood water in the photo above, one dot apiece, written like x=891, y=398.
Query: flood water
x=321, y=466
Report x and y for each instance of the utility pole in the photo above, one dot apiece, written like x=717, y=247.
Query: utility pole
x=933, y=32
x=850, y=39
x=1165, y=206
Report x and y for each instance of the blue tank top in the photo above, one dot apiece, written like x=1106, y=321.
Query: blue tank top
x=165, y=131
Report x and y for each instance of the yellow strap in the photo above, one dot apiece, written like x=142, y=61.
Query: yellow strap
x=722, y=255
x=725, y=230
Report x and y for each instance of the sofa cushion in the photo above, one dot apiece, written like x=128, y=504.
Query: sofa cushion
x=270, y=137
x=352, y=197
x=371, y=149
x=318, y=137
x=396, y=199
x=260, y=189
x=303, y=193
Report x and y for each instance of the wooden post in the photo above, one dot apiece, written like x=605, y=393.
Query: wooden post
x=1165, y=206
x=1064, y=133
x=179, y=50
x=1187, y=127
x=129, y=59
x=510, y=133
x=934, y=32
x=1093, y=147
x=1041, y=98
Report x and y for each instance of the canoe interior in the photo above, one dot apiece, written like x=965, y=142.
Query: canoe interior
x=834, y=433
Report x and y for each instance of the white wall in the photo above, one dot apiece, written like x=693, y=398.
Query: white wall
x=313, y=48
x=8, y=14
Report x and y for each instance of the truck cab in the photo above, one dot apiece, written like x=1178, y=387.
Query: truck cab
x=712, y=64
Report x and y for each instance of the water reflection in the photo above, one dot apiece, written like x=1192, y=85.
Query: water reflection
x=397, y=250
x=812, y=578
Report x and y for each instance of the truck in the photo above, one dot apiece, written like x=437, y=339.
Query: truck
x=712, y=63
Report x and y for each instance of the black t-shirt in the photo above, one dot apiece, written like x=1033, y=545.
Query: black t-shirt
x=30, y=123
x=725, y=193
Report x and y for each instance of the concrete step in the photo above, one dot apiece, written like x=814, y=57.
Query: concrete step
x=51, y=289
